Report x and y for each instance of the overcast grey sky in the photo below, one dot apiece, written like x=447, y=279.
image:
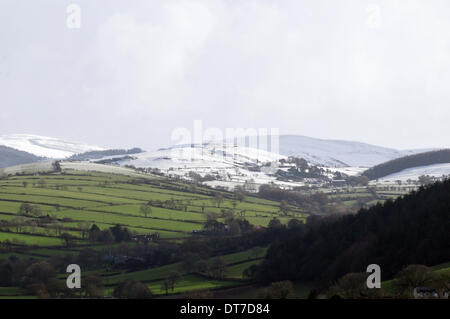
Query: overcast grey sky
x=372, y=71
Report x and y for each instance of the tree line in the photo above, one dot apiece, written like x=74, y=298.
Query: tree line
x=413, y=229
x=86, y=156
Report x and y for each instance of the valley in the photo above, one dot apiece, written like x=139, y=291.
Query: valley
x=183, y=222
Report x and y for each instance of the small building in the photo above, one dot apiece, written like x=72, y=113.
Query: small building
x=430, y=293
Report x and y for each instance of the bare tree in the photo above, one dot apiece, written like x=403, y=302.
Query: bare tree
x=218, y=199
x=145, y=210
x=84, y=228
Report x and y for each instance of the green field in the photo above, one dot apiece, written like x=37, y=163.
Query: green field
x=442, y=269
x=68, y=201
x=106, y=199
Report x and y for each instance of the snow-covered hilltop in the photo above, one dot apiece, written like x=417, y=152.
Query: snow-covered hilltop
x=300, y=160
x=48, y=147
x=216, y=164
x=209, y=155
x=329, y=153
x=335, y=153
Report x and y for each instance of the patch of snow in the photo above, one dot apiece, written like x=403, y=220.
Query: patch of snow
x=436, y=170
x=350, y=171
x=45, y=146
x=211, y=156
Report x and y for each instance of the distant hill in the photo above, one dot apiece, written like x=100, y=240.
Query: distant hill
x=11, y=157
x=92, y=155
x=336, y=153
x=413, y=229
x=330, y=153
x=407, y=162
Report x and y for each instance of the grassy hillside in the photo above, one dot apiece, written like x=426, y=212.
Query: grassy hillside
x=72, y=201
x=107, y=200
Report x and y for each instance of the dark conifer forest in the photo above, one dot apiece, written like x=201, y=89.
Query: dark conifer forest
x=414, y=229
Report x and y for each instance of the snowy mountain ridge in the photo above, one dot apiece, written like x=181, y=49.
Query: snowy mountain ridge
x=337, y=153
x=329, y=153
x=231, y=165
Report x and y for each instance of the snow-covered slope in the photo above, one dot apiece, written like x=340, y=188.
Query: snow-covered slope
x=437, y=170
x=212, y=156
x=329, y=153
x=231, y=166
x=215, y=155
x=45, y=146
x=335, y=153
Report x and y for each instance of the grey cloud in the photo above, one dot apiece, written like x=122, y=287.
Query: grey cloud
x=374, y=71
